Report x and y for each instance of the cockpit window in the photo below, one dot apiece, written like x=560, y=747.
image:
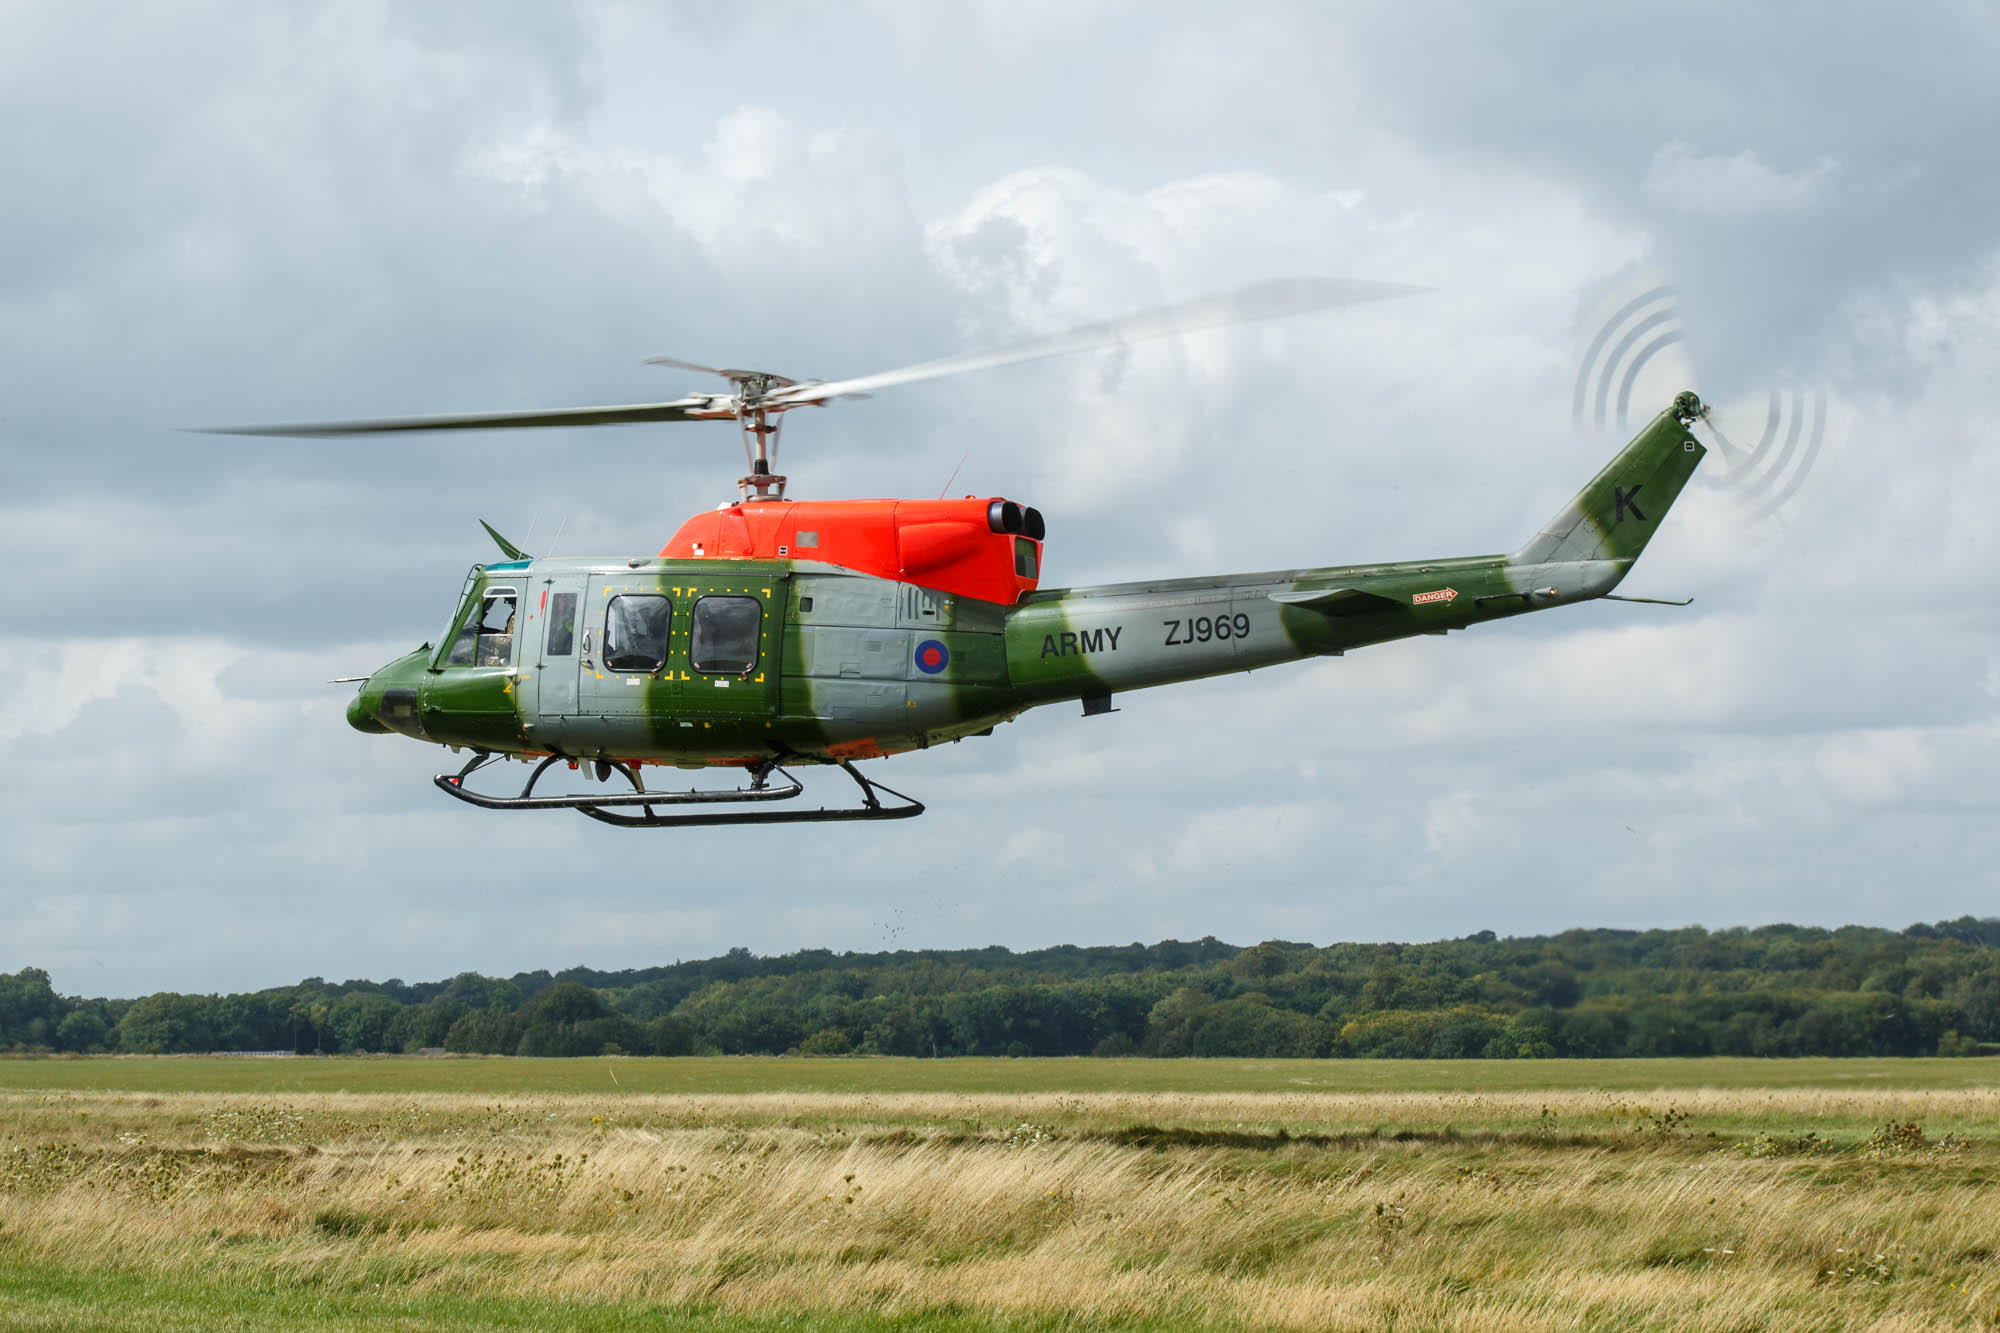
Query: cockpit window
x=487, y=639
x=725, y=634
x=635, y=632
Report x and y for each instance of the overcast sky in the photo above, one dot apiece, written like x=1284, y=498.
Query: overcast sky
x=224, y=214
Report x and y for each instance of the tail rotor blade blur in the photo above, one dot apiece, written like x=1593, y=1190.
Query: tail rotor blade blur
x=1632, y=355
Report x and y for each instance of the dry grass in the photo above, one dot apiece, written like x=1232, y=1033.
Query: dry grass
x=1695, y=1209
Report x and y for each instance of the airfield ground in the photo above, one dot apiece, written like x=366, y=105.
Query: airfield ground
x=859, y=1194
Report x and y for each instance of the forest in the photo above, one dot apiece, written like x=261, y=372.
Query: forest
x=1777, y=990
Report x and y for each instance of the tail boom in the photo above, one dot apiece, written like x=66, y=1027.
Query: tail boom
x=1089, y=643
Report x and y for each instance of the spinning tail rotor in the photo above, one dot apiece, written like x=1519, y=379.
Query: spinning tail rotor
x=1632, y=353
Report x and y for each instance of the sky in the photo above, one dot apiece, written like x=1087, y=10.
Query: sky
x=222, y=215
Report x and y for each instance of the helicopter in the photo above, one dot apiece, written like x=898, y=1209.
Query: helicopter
x=770, y=633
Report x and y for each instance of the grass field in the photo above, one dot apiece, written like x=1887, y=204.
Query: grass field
x=1061, y=1194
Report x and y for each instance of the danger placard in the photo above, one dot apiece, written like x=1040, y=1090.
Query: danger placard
x=1436, y=595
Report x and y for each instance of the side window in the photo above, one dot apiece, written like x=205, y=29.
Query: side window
x=725, y=634
x=562, y=625
x=1027, y=562
x=635, y=632
x=487, y=639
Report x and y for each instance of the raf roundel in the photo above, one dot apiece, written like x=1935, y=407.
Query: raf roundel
x=932, y=657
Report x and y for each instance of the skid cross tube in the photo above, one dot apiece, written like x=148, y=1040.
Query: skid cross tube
x=453, y=784
x=871, y=808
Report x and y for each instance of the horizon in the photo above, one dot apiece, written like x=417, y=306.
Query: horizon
x=1914, y=930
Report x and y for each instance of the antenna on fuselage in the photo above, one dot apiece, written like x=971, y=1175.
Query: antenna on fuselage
x=954, y=474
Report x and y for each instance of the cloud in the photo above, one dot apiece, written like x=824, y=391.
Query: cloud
x=763, y=197
x=1451, y=823
x=1738, y=185
x=1870, y=768
x=1243, y=840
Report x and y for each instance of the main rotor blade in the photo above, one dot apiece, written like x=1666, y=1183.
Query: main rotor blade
x=739, y=377
x=1264, y=300
x=717, y=407
x=678, y=364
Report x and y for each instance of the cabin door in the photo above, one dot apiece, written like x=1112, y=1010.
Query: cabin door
x=730, y=631
x=549, y=654
x=627, y=638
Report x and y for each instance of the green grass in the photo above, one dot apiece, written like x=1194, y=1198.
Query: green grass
x=753, y=1074
x=863, y=1195
x=33, y=1299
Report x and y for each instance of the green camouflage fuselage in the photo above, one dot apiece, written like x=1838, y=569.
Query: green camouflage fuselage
x=847, y=665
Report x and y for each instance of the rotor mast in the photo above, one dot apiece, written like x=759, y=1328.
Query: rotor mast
x=759, y=426
x=757, y=420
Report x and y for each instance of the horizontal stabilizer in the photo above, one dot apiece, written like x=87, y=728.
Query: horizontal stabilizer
x=1338, y=601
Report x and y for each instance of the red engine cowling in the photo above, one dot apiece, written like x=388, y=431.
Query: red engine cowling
x=985, y=548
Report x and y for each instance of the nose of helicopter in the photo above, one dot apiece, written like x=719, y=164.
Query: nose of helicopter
x=361, y=710
x=387, y=699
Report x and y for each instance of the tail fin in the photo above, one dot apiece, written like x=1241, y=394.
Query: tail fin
x=1615, y=516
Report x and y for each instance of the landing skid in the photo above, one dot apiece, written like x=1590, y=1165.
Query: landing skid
x=453, y=784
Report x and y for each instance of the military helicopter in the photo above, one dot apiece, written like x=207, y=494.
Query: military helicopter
x=772, y=633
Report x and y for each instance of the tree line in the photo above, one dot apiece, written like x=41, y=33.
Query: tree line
x=1777, y=990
